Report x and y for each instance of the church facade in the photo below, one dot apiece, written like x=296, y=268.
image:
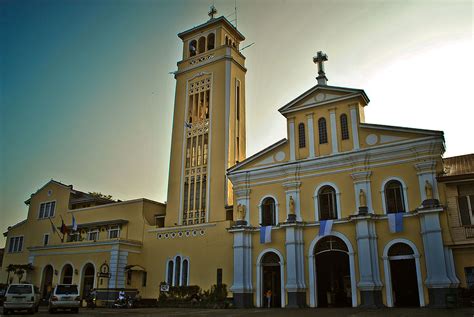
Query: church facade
x=340, y=213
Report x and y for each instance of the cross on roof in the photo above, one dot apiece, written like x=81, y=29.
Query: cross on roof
x=319, y=59
x=212, y=11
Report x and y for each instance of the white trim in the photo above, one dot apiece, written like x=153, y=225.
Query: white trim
x=316, y=201
x=209, y=150
x=388, y=276
x=400, y=129
x=426, y=149
x=291, y=137
x=332, y=119
x=260, y=209
x=227, y=131
x=47, y=202
x=405, y=194
x=355, y=131
x=42, y=277
x=260, y=276
x=61, y=276
x=313, y=293
x=310, y=125
x=81, y=276
x=168, y=260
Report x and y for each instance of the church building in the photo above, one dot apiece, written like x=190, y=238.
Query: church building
x=339, y=213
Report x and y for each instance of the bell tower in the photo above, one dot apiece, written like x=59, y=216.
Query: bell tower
x=208, y=133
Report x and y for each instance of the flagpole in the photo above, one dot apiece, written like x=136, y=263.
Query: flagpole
x=54, y=227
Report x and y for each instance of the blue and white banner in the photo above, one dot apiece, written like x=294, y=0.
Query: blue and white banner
x=266, y=234
x=74, y=223
x=325, y=227
x=395, y=222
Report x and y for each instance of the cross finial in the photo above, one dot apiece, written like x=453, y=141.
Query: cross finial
x=319, y=59
x=212, y=12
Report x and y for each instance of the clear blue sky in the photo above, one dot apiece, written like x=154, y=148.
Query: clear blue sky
x=86, y=97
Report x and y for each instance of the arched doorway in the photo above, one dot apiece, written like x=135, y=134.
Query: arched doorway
x=404, y=285
x=88, y=275
x=333, y=274
x=47, y=282
x=66, y=274
x=270, y=267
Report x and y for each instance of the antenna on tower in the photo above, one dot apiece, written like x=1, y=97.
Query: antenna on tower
x=235, y=11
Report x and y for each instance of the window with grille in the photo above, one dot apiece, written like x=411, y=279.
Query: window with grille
x=323, y=132
x=169, y=278
x=93, y=235
x=47, y=210
x=268, y=212
x=114, y=232
x=196, y=156
x=394, y=197
x=327, y=203
x=301, y=135
x=344, y=127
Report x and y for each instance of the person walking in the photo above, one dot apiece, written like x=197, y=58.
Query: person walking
x=268, y=295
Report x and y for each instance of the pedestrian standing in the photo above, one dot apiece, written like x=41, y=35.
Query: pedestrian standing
x=268, y=295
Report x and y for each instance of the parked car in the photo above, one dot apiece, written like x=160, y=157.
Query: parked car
x=21, y=297
x=65, y=296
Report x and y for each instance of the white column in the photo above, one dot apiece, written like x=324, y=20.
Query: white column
x=332, y=117
x=295, y=280
x=436, y=268
x=242, y=284
x=310, y=125
x=355, y=131
x=291, y=135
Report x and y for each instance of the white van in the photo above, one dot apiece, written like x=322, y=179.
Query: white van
x=65, y=296
x=21, y=297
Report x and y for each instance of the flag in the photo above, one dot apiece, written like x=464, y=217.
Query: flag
x=395, y=222
x=265, y=234
x=63, y=227
x=325, y=227
x=74, y=223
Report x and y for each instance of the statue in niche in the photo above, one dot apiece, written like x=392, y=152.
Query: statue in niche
x=292, y=206
x=428, y=190
x=362, y=198
x=241, y=213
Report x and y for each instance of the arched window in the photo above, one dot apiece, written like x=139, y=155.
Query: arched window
x=177, y=275
x=226, y=40
x=201, y=45
x=327, y=203
x=211, y=41
x=301, y=135
x=394, y=200
x=268, y=212
x=323, y=132
x=192, y=48
x=344, y=127
x=169, y=278
x=185, y=272
x=67, y=274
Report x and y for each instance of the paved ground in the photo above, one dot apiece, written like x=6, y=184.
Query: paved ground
x=318, y=312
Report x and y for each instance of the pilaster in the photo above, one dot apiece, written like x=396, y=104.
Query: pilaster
x=291, y=135
x=332, y=118
x=118, y=262
x=370, y=285
x=437, y=277
x=295, y=279
x=310, y=124
x=355, y=130
x=242, y=285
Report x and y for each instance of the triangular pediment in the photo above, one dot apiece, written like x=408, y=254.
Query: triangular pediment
x=322, y=95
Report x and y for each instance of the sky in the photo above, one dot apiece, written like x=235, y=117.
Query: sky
x=86, y=97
